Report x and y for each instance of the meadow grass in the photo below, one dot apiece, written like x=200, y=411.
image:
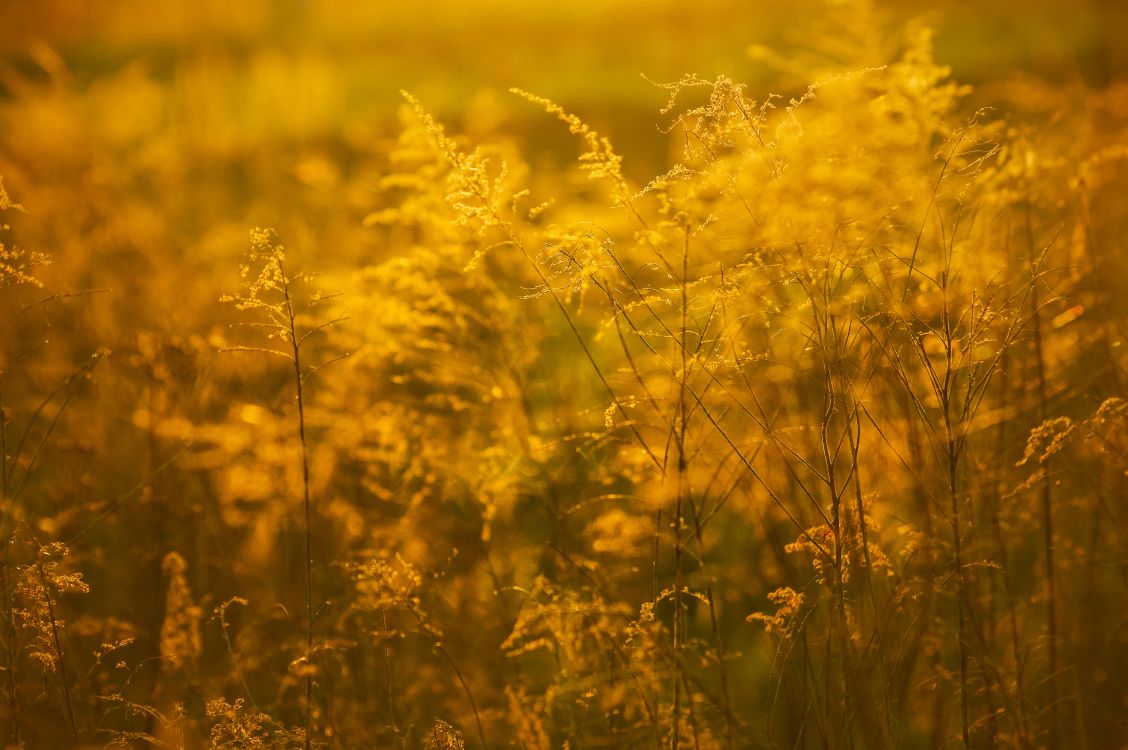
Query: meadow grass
x=812, y=438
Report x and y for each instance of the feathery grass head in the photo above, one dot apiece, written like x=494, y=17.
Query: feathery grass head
x=38, y=588
x=16, y=264
x=266, y=286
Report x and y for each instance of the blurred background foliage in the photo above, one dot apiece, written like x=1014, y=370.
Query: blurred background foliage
x=227, y=115
x=490, y=548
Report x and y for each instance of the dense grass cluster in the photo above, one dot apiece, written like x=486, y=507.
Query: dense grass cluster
x=815, y=439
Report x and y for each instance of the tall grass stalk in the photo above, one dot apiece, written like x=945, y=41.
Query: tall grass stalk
x=10, y=647
x=50, y=596
x=271, y=294
x=1050, y=589
x=299, y=378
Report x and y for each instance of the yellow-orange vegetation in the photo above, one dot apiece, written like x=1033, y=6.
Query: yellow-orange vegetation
x=776, y=406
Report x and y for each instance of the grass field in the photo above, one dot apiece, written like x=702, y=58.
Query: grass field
x=563, y=375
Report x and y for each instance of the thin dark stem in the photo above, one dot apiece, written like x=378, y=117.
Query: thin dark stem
x=952, y=455
x=1047, y=499
x=295, y=344
x=469, y=694
x=679, y=635
x=9, y=616
x=436, y=635
x=961, y=615
x=221, y=615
